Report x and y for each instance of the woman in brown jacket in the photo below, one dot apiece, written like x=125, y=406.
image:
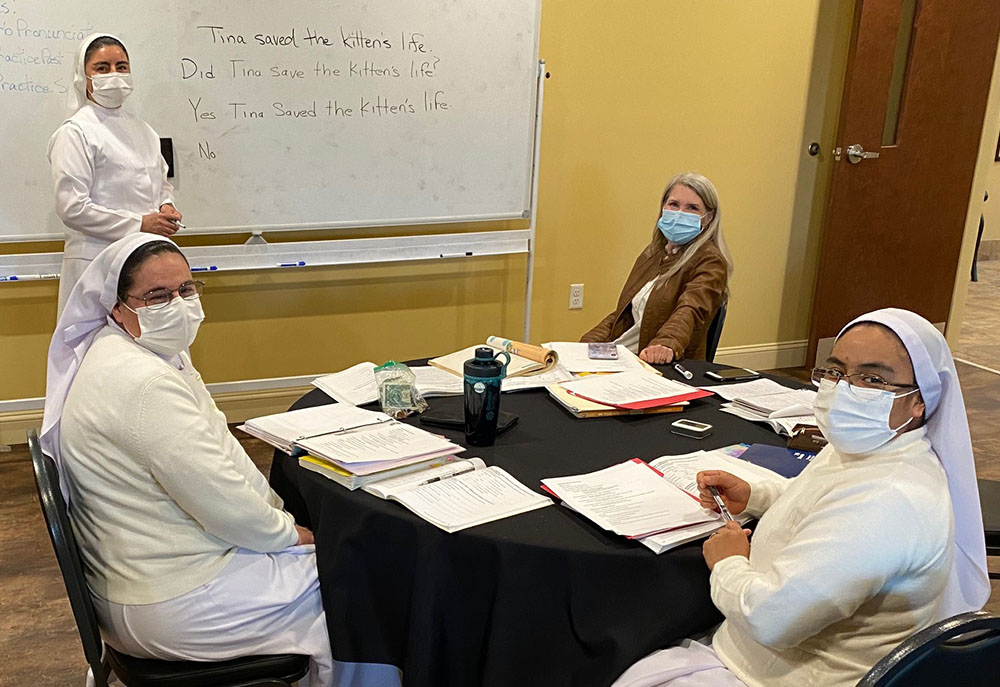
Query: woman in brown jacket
x=678, y=282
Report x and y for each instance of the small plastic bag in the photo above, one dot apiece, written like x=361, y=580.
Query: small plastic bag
x=397, y=390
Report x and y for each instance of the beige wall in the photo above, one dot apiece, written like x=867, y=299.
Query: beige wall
x=721, y=87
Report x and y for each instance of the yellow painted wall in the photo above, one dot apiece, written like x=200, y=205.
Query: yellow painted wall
x=639, y=91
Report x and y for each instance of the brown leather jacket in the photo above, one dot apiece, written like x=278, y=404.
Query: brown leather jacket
x=679, y=309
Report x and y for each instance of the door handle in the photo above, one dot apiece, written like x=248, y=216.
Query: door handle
x=855, y=154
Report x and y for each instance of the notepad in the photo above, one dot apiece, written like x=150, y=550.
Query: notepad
x=356, y=385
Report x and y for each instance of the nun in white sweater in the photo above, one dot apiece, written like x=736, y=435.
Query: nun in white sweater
x=880, y=536
x=187, y=550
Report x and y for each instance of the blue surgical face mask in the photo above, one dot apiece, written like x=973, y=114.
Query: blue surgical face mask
x=679, y=227
x=855, y=420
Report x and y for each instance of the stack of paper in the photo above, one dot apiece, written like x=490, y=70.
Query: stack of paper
x=284, y=430
x=764, y=400
x=356, y=385
x=536, y=381
x=633, y=390
x=352, y=481
x=525, y=359
x=461, y=497
x=379, y=447
x=574, y=357
x=631, y=499
x=583, y=408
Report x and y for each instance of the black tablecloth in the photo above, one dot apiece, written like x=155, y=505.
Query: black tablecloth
x=542, y=598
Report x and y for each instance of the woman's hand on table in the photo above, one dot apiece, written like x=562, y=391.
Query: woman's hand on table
x=305, y=536
x=731, y=540
x=656, y=354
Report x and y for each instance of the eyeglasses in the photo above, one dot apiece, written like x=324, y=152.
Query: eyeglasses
x=862, y=384
x=160, y=298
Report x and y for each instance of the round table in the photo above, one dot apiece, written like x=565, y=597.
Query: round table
x=541, y=598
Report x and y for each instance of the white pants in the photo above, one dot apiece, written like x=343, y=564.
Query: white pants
x=689, y=664
x=258, y=604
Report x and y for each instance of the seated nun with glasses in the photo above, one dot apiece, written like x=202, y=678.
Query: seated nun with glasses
x=880, y=536
x=187, y=551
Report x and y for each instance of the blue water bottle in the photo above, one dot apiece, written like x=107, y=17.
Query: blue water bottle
x=483, y=376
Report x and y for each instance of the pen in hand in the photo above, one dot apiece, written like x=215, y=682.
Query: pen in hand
x=726, y=515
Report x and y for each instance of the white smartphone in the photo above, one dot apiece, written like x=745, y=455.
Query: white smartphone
x=690, y=428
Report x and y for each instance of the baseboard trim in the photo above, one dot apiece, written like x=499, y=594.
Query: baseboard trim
x=242, y=400
x=239, y=401
x=764, y=356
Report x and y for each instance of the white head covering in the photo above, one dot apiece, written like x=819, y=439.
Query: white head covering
x=77, y=96
x=86, y=313
x=948, y=431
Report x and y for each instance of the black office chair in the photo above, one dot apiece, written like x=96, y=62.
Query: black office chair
x=715, y=332
x=989, y=502
x=280, y=670
x=961, y=651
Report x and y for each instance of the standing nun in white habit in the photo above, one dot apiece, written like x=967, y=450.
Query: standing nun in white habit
x=109, y=176
x=879, y=537
x=187, y=550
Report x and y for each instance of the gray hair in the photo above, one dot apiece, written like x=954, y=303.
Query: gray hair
x=713, y=232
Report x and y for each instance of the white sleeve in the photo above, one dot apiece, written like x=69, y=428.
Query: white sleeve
x=254, y=476
x=845, y=551
x=166, y=188
x=72, y=178
x=763, y=493
x=214, y=484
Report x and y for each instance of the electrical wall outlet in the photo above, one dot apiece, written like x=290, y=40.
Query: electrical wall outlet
x=575, y=296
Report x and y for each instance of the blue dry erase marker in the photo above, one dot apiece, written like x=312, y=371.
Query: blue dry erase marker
x=210, y=268
x=300, y=263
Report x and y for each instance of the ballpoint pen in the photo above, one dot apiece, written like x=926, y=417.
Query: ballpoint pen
x=726, y=515
x=442, y=477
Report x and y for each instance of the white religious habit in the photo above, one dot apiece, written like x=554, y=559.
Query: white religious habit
x=855, y=555
x=186, y=548
x=107, y=172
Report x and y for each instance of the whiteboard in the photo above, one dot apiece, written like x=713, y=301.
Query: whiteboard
x=292, y=115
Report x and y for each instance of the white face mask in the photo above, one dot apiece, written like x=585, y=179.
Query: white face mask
x=170, y=329
x=855, y=421
x=110, y=90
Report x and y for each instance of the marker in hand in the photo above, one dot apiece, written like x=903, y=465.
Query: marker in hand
x=726, y=515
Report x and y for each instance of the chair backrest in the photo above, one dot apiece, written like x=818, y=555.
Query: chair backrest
x=958, y=651
x=989, y=501
x=68, y=556
x=715, y=332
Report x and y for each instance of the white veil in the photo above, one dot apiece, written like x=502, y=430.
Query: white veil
x=948, y=431
x=86, y=313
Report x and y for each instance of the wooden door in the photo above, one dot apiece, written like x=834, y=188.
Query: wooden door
x=915, y=92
